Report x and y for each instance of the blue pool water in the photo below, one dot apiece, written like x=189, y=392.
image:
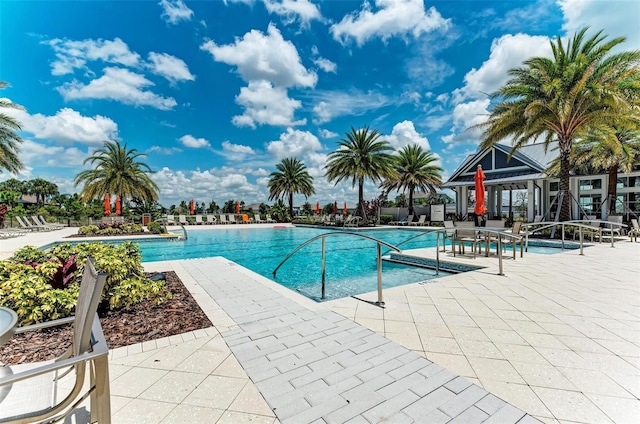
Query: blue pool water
x=350, y=263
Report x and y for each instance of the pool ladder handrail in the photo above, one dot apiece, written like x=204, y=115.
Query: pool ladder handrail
x=164, y=222
x=379, y=243
x=580, y=223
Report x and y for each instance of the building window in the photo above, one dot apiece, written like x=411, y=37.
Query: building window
x=554, y=186
x=634, y=182
x=622, y=182
x=590, y=204
x=595, y=184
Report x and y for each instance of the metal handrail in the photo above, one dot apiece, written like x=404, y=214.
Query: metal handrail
x=342, y=233
x=581, y=224
x=165, y=222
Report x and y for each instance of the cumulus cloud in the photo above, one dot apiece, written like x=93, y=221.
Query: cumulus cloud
x=195, y=143
x=71, y=55
x=67, y=126
x=599, y=15
x=163, y=150
x=266, y=104
x=120, y=85
x=43, y=155
x=174, y=11
x=403, y=134
x=294, y=143
x=324, y=133
x=169, y=67
x=393, y=18
x=331, y=104
x=294, y=10
x=236, y=152
x=268, y=57
x=466, y=115
x=325, y=64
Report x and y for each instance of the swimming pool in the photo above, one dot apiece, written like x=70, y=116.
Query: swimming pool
x=350, y=262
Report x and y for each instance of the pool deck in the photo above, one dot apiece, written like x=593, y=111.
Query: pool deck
x=557, y=337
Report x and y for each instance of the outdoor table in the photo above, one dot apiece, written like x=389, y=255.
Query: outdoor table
x=486, y=233
x=8, y=322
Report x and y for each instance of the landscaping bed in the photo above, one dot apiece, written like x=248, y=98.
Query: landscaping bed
x=142, y=322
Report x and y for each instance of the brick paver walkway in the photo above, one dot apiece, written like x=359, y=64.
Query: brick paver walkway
x=320, y=367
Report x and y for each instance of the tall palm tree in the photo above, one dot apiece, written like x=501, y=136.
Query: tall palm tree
x=360, y=155
x=559, y=99
x=9, y=140
x=118, y=171
x=290, y=178
x=416, y=169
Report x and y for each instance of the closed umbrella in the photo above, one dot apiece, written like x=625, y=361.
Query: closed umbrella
x=480, y=208
x=345, y=208
x=237, y=206
x=335, y=208
x=107, y=205
x=317, y=208
x=192, y=207
x=118, y=206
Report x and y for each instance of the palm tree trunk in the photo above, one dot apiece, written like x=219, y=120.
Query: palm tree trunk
x=359, y=211
x=612, y=189
x=410, y=200
x=291, y=205
x=565, y=178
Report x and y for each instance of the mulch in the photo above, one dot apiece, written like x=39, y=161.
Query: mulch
x=141, y=233
x=145, y=321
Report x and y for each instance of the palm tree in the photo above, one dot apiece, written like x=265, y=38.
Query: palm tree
x=42, y=189
x=361, y=155
x=559, y=99
x=9, y=140
x=416, y=168
x=290, y=178
x=118, y=171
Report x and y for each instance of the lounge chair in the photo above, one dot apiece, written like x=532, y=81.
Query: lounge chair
x=257, y=220
x=420, y=222
x=182, y=219
x=211, y=220
x=52, y=224
x=269, y=219
x=407, y=221
x=231, y=218
x=223, y=219
x=171, y=220
x=28, y=225
x=199, y=220
x=612, y=230
x=634, y=232
x=538, y=218
x=37, y=222
x=352, y=221
x=50, y=390
x=12, y=232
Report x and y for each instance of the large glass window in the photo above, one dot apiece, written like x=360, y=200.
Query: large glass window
x=634, y=182
x=554, y=186
x=594, y=184
x=590, y=203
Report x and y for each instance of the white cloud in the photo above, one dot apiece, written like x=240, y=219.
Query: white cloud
x=466, y=115
x=41, y=155
x=507, y=52
x=67, y=126
x=163, y=150
x=266, y=104
x=393, y=18
x=294, y=143
x=293, y=10
x=236, y=152
x=324, y=133
x=71, y=55
x=174, y=11
x=403, y=134
x=169, y=67
x=120, y=85
x=195, y=143
x=616, y=18
x=325, y=64
x=332, y=104
x=264, y=57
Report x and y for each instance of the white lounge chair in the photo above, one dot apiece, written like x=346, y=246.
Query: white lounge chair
x=231, y=218
x=38, y=223
x=52, y=224
x=211, y=220
x=199, y=220
x=171, y=220
x=269, y=219
x=420, y=222
x=257, y=220
x=182, y=219
x=634, y=232
x=50, y=390
x=28, y=225
x=223, y=219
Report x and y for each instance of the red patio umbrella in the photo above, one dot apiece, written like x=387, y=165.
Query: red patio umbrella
x=107, y=205
x=192, y=207
x=237, y=206
x=118, y=206
x=317, y=208
x=345, y=208
x=480, y=208
x=335, y=208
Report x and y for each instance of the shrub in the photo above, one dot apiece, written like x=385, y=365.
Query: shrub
x=155, y=227
x=385, y=219
x=88, y=230
x=27, y=279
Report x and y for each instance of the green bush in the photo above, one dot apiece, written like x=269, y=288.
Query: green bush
x=155, y=227
x=88, y=230
x=385, y=219
x=25, y=280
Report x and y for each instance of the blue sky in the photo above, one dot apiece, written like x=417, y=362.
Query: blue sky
x=217, y=92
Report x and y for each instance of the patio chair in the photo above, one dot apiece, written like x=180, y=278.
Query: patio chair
x=449, y=234
x=465, y=233
x=420, y=222
x=634, y=232
x=211, y=220
x=231, y=218
x=538, y=218
x=49, y=391
x=171, y=220
x=38, y=223
x=269, y=219
x=12, y=232
x=257, y=219
x=223, y=219
x=199, y=220
x=51, y=224
x=182, y=219
x=612, y=230
x=25, y=224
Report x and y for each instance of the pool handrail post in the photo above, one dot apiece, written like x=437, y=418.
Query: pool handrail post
x=563, y=236
x=581, y=239
x=438, y=251
x=380, y=302
x=500, y=255
x=324, y=245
